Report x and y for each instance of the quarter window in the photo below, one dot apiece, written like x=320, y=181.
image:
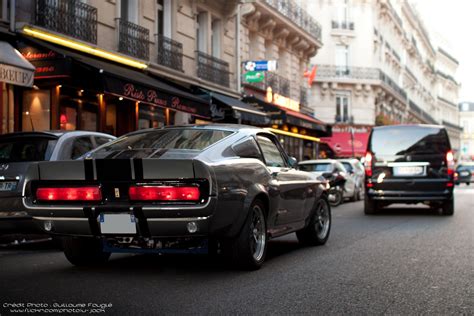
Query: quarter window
x=271, y=153
x=80, y=146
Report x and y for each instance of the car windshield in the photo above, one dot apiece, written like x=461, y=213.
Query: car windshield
x=347, y=166
x=318, y=167
x=164, y=139
x=466, y=167
x=22, y=149
x=409, y=140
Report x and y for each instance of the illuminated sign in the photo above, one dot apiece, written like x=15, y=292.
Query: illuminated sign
x=282, y=101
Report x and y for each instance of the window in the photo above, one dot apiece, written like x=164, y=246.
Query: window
x=342, y=108
x=163, y=18
x=318, y=167
x=201, y=32
x=129, y=10
x=271, y=153
x=99, y=141
x=342, y=60
x=21, y=149
x=4, y=10
x=342, y=14
x=36, y=110
x=216, y=30
x=80, y=146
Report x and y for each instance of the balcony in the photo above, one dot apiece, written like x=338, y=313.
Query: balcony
x=387, y=81
x=279, y=84
x=134, y=40
x=298, y=16
x=303, y=96
x=170, y=53
x=72, y=18
x=344, y=119
x=345, y=72
x=342, y=25
x=213, y=69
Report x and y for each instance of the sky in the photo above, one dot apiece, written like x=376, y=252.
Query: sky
x=450, y=24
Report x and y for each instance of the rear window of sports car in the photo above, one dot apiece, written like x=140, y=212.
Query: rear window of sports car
x=184, y=139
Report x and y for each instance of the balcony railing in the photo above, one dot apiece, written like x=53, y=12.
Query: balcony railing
x=213, y=69
x=343, y=25
x=344, y=118
x=170, y=53
x=427, y=118
x=338, y=72
x=279, y=84
x=69, y=17
x=134, y=40
x=393, y=85
x=297, y=15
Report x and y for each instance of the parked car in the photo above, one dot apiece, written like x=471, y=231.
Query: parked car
x=464, y=172
x=197, y=188
x=409, y=164
x=17, y=153
x=335, y=172
x=355, y=169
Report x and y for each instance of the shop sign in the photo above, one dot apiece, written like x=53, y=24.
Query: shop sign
x=351, y=129
x=15, y=75
x=152, y=96
x=284, y=102
x=48, y=63
x=260, y=65
x=254, y=76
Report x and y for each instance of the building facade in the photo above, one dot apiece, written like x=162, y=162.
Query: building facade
x=466, y=110
x=121, y=65
x=379, y=67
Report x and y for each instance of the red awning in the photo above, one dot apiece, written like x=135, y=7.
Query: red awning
x=341, y=143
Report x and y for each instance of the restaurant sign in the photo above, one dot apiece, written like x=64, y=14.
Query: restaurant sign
x=48, y=63
x=16, y=75
x=155, y=97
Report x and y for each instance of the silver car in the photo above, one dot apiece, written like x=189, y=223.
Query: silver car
x=356, y=173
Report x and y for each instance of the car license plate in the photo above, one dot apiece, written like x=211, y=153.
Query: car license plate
x=408, y=171
x=464, y=173
x=117, y=224
x=8, y=185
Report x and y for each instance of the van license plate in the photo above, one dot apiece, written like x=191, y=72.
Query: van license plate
x=117, y=224
x=408, y=171
x=8, y=186
x=464, y=173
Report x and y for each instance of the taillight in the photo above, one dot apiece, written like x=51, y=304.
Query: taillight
x=91, y=193
x=450, y=162
x=368, y=164
x=163, y=193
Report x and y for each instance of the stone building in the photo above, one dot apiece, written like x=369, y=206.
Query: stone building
x=379, y=67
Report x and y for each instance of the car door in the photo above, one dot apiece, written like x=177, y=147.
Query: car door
x=286, y=183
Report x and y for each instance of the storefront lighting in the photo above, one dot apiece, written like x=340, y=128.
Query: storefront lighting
x=279, y=131
x=59, y=40
x=27, y=113
x=35, y=87
x=60, y=86
x=120, y=98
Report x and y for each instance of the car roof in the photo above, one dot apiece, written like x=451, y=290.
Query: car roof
x=211, y=126
x=55, y=133
x=308, y=162
x=408, y=125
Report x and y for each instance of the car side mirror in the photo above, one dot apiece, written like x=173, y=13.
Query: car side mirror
x=293, y=162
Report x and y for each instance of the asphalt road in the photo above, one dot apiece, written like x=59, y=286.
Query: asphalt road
x=402, y=261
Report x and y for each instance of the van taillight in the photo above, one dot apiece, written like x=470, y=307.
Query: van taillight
x=91, y=193
x=450, y=162
x=164, y=193
x=368, y=164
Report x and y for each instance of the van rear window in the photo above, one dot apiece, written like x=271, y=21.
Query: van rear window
x=409, y=140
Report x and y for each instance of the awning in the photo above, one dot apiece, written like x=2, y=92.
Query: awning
x=281, y=115
x=341, y=143
x=243, y=111
x=135, y=85
x=14, y=68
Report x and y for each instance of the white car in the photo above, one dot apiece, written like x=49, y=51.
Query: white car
x=356, y=172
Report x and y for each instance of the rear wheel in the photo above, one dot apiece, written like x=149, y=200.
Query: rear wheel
x=317, y=232
x=448, y=207
x=336, y=197
x=370, y=206
x=249, y=248
x=84, y=251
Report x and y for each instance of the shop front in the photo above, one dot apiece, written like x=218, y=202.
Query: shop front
x=346, y=141
x=298, y=133
x=76, y=92
x=16, y=73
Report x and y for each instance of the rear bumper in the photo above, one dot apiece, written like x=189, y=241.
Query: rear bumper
x=21, y=224
x=409, y=196
x=151, y=222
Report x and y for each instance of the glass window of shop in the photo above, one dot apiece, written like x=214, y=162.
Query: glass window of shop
x=78, y=110
x=150, y=116
x=36, y=110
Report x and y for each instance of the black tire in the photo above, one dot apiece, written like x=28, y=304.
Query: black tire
x=338, y=198
x=448, y=207
x=468, y=183
x=319, y=226
x=249, y=248
x=84, y=251
x=370, y=206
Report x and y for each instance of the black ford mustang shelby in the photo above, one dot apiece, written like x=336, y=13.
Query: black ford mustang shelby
x=203, y=188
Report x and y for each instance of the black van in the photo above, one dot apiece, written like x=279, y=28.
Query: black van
x=409, y=164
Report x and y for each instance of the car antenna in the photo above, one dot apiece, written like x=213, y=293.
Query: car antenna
x=31, y=122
